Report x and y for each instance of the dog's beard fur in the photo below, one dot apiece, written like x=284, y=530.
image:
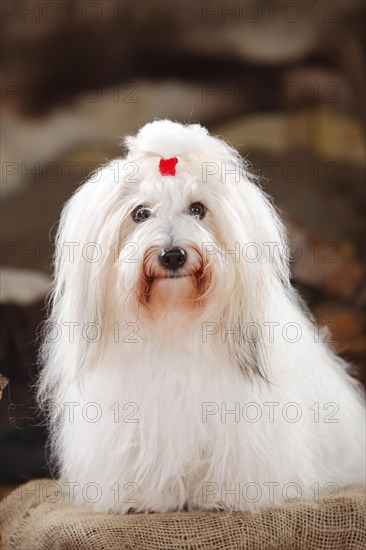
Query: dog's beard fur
x=169, y=348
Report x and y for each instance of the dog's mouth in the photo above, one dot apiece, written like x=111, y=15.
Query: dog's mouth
x=171, y=276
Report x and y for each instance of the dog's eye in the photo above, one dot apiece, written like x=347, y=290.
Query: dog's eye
x=197, y=210
x=141, y=213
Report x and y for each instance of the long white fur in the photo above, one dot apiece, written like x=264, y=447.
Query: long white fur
x=164, y=450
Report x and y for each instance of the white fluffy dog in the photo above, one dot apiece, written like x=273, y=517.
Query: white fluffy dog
x=181, y=370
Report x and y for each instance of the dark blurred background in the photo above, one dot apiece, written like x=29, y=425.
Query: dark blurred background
x=284, y=82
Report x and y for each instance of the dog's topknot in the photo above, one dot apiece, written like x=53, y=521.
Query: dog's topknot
x=166, y=139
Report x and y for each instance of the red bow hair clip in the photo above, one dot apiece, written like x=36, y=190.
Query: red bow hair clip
x=167, y=166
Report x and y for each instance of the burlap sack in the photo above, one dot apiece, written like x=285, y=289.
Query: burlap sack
x=30, y=522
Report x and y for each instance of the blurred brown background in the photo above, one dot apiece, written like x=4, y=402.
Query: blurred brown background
x=284, y=82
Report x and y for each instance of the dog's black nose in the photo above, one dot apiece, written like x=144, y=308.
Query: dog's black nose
x=173, y=258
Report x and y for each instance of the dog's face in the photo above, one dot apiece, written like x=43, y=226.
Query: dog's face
x=171, y=235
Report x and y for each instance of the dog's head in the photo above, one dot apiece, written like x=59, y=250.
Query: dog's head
x=175, y=230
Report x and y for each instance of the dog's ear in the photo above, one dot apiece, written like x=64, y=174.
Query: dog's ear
x=84, y=253
x=252, y=227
